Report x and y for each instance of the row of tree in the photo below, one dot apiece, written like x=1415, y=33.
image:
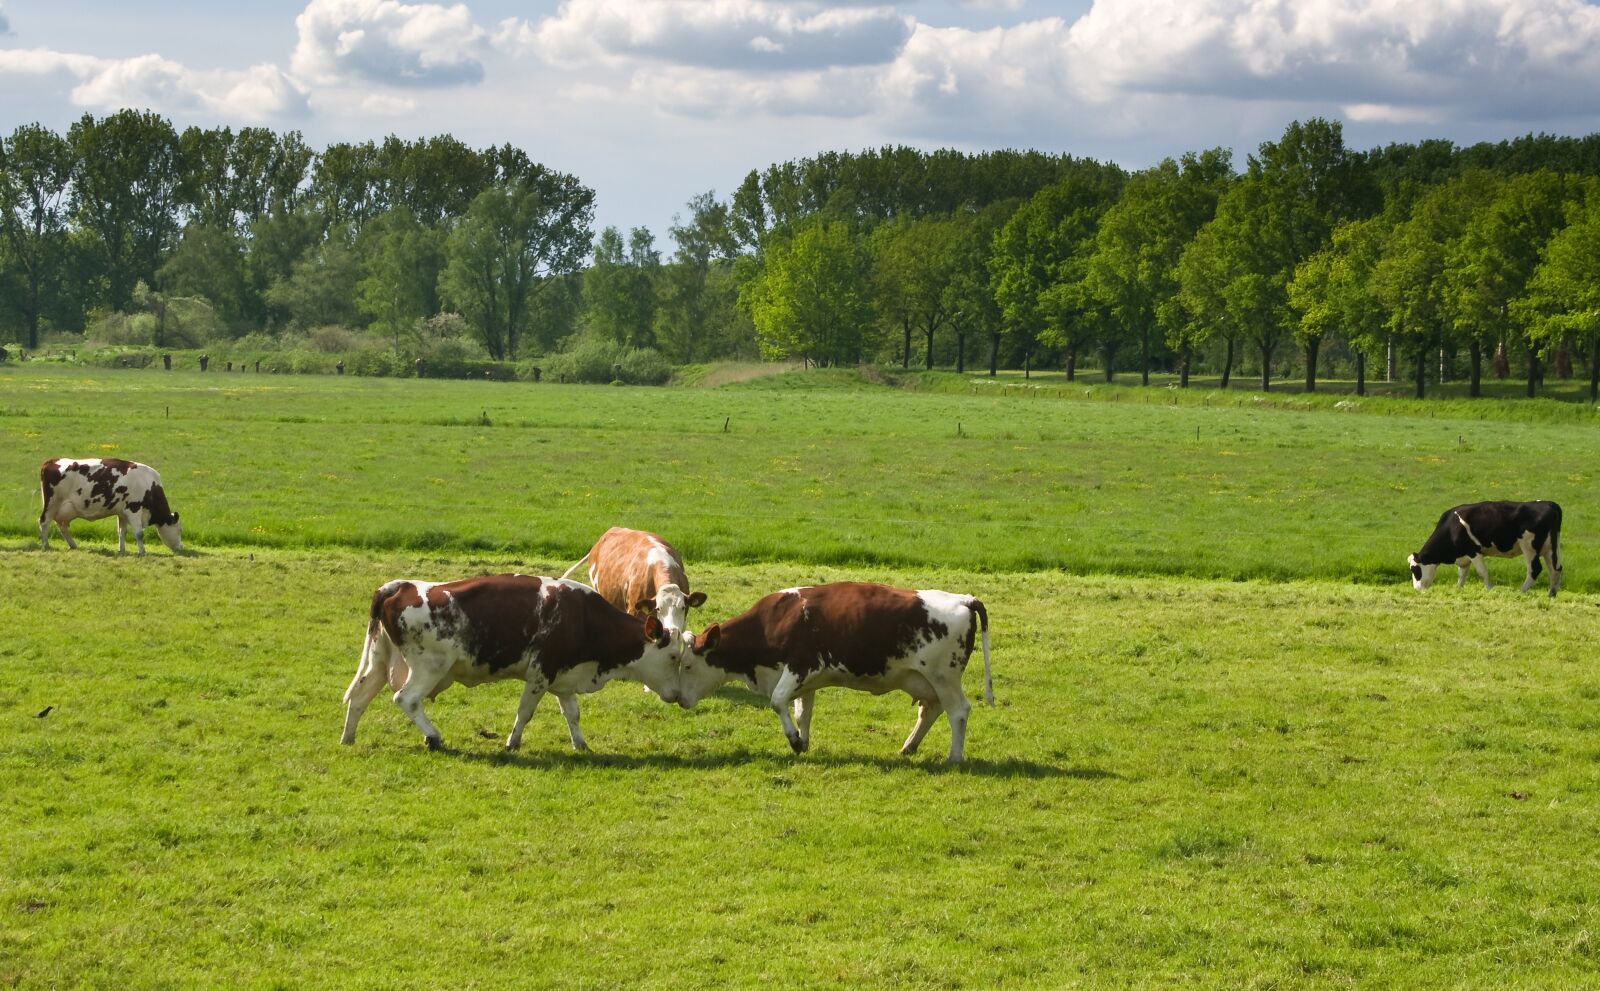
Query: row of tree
x=1013, y=258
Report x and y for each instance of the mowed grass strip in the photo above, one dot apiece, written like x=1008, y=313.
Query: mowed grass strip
x=808, y=469
x=1185, y=783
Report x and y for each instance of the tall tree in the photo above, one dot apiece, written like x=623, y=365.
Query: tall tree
x=1489, y=264
x=1134, y=268
x=913, y=262
x=697, y=288
x=813, y=298
x=125, y=196
x=400, y=261
x=1048, y=242
x=619, y=287
x=35, y=169
x=515, y=240
x=1563, y=295
x=1334, y=294
x=208, y=263
x=1410, y=278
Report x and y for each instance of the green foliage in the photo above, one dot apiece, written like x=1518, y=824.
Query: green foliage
x=594, y=360
x=813, y=297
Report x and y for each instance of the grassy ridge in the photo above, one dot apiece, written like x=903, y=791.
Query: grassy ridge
x=806, y=468
x=1186, y=784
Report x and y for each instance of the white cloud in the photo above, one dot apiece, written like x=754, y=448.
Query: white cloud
x=5, y=24
x=746, y=35
x=387, y=105
x=259, y=93
x=388, y=42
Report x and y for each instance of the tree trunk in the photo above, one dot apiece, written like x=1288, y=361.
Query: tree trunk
x=1144, y=357
x=1106, y=353
x=1388, y=365
x=1227, y=364
x=1312, y=347
x=1533, y=372
x=1266, y=369
x=33, y=307
x=1594, y=369
x=1422, y=370
x=994, y=353
x=1361, y=373
x=961, y=350
x=1502, y=364
x=930, y=348
x=1027, y=364
x=1475, y=358
x=905, y=356
x=1183, y=365
x=1072, y=364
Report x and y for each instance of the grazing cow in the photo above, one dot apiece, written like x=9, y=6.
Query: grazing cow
x=849, y=634
x=641, y=573
x=555, y=635
x=94, y=488
x=1466, y=534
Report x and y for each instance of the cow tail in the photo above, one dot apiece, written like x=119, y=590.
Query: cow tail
x=983, y=623
x=377, y=650
x=581, y=562
x=1555, y=543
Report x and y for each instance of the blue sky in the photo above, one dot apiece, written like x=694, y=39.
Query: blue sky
x=654, y=101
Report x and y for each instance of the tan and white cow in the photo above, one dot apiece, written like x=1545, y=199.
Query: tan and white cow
x=641, y=573
x=555, y=635
x=851, y=635
x=94, y=488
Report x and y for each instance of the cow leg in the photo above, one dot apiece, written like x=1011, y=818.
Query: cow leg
x=409, y=699
x=371, y=674
x=1550, y=561
x=533, y=690
x=1531, y=557
x=1461, y=575
x=927, y=712
x=804, y=706
x=569, y=709
x=956, y=708
x=782, y=694
x=1482, y=565
x=44, y=532
x=65, y=529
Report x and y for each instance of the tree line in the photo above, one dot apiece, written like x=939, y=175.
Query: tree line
x=126, y=229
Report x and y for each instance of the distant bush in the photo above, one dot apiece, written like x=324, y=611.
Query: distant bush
x=595, y=361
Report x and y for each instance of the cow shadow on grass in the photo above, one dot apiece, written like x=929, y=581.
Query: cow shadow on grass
x=776, y=760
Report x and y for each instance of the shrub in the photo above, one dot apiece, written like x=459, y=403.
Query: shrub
x=594, y=360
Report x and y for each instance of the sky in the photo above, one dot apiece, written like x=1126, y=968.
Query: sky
x=652, y=102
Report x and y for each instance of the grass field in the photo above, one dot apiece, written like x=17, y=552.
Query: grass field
x=1322, y=781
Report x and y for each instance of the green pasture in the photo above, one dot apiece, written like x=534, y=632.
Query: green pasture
x=1185, y=784
x=1233, y=748
x=812, y=467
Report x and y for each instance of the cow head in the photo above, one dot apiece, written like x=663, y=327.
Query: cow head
x=670, y=606
x=657, y=667
x=697, y=676
x=1421, y=574
x=171, y=534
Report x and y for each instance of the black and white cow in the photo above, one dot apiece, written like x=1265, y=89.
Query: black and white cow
x=851, y=635
x=1465, y=535
x=94, y=488
x=555, y=635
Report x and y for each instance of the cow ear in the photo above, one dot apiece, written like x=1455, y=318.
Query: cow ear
x=697, y=599
x=655, y=632
x=645, y=607
x=707, y=639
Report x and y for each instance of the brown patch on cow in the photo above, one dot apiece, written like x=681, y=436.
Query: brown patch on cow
x=857, y=627
x=387, y=605
x=155, y=502
x=49, y=477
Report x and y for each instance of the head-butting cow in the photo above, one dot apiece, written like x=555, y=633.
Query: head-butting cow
x=641, y=573
x=852, y=635
x=555, y=635
x=94, y=488
x=1466, y=534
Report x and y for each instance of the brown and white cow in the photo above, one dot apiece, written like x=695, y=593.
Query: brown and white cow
x=1466, y=534
x=641, y=573
x=94, y=488
x=557, y=636
x=851, y=635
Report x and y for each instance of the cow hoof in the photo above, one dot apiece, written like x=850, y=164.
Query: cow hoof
x=513, y=745
x=347, y=739
x=434, y=742
x=798, y=744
